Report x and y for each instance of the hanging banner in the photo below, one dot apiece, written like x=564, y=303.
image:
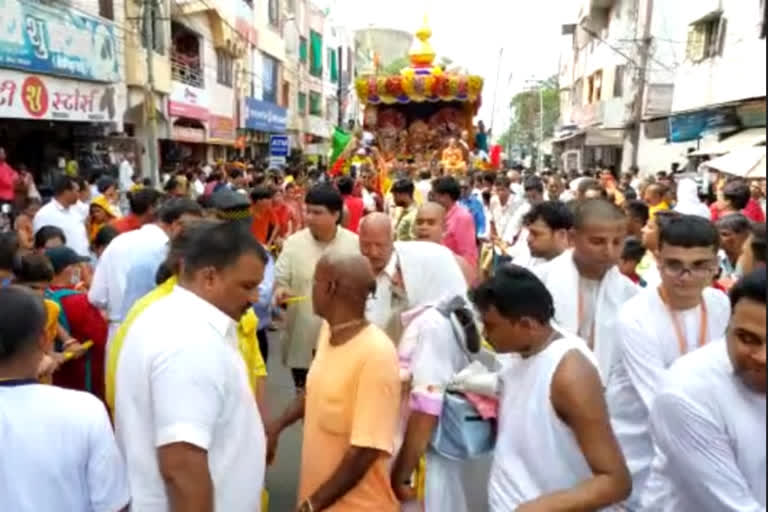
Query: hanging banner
x=57, y=40
x=24, y=96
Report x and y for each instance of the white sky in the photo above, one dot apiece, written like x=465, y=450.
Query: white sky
x=472, y=33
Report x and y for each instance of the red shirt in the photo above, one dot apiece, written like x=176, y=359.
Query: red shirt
x=7, y=178
x=86, y=323
x=355, y=210
x=128, y=223
x=753, y=212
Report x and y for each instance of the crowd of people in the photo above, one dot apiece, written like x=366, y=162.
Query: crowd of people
x=601, y=340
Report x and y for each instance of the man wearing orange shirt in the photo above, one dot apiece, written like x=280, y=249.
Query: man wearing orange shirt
x=143, y=204
x=351, y=406
x=264, y=223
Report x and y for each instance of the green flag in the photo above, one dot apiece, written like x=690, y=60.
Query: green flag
x=339, y=143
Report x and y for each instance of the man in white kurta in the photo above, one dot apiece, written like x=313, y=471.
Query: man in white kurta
x=295, y=269
x=709, y=421
x=658, y=326
x=586, y=284
x=110, y=278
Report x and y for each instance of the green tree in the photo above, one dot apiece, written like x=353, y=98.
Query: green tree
x=523, y=132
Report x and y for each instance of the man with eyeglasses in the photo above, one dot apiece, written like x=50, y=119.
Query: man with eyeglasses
x=708, y=421
x=660, y=325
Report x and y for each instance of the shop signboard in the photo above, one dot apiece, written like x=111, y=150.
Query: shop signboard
x=52, y=39
x=263, y=116
x=695, y=125
x=687, y=127
x=221, y=128
x=187, y=134
x=279, y=146
x=188, y=101
x=24, y=96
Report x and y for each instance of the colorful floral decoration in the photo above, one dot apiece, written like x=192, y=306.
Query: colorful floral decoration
x=418, y=88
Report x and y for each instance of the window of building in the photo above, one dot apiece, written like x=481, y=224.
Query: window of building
x=595, y=87
x=286, y=96
x=303, y=51
x=186, y=56
x=332, y=65
x=706, y=38
x=315, y=54
x=590, y=88
x=269, y=76
x=302, y=104
x=156, y=31
x=578, y=92
x=273, y=7
x=331, y=108
x=106, y=9
x=618, y=81
x=315, y=104
x=224, y=68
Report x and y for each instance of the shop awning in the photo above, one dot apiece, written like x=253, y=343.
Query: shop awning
x=600, y=137
x=743, y=139
x=568, y=136
x=746, y=162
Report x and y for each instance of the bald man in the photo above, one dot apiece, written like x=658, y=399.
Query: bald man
x=378, y=245
x=430, y=227
x=351, y=407
x=585, y=282
x=377, y=241
x=394, y=294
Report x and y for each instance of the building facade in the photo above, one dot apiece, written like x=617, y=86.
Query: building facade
x=61, y=82
x=719, y=97
x=646, y=82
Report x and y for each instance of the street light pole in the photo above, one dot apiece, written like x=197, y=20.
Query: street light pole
x=149, y=97
x=541, y=127
x=340, y=69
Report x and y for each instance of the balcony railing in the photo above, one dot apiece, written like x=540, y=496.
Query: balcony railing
x=187, y=69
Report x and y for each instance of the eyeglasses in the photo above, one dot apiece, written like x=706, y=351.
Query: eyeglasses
x=699, y=269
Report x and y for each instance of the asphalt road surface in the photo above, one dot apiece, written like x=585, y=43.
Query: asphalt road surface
x=283, y=475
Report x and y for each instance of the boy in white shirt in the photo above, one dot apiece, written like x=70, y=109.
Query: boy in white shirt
x=659, y=325
x=708, y=423
x=58, y=450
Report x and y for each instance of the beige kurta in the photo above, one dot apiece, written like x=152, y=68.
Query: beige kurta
x=295, y=270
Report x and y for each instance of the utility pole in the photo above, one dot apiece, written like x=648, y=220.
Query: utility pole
x=150, y=13
x=637, y=106
x=541, y=127
x=340, y=53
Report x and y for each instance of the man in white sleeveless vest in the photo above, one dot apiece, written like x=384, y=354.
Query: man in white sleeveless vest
x=555, y=448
